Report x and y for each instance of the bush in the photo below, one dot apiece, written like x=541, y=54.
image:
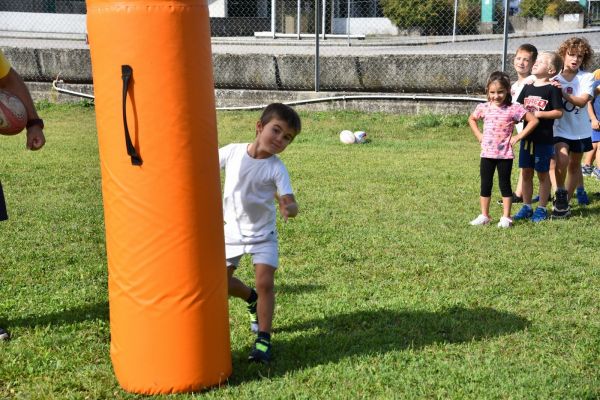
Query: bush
x=533, y=8
x=554, y=8
x=557, y=8
x=433, y=17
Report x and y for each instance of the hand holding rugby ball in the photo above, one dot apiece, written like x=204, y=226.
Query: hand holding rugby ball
x=13, y=115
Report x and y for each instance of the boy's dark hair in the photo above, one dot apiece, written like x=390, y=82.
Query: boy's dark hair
x=530, y=49
x=504, y=81
x=283, y=112
x=580, y=45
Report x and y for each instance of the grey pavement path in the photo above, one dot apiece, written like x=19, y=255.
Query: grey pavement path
x=489, y=44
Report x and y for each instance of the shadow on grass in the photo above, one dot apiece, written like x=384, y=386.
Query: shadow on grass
x=331, y=339
x=97, y=311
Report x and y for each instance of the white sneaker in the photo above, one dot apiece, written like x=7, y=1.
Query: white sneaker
x=480, y=220
x=505, y=222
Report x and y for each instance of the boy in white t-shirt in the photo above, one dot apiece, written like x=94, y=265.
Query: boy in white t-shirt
x=572, y=134
x=525, y=57
x=254, y=178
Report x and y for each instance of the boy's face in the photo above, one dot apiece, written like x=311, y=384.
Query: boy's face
x=274, y=136
x=542, y=68
x=523, y=62
x=573, y=60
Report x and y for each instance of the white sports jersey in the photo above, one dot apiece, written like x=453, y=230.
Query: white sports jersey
x=515, y=90
x=575, y=122
x=249, y=193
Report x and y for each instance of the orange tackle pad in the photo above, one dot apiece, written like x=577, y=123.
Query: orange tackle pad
x=156, y=121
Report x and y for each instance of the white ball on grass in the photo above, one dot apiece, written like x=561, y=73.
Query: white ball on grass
x=347, y=137
x=360, y=136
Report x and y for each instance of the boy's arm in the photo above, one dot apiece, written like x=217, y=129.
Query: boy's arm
x=474, y=128
x=579, y=101
x=532, y=122
x=553, y=114
x=592, y=114
x=288, y=208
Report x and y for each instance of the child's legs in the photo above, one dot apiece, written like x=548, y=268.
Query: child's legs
x=561, y=162
x=487, y=166
x=576, y=150
x=527, y=160
x=542, y=160
x=544, y=178
x=265, y=257
x=519, y=189
x=552, y=174
x=588, y=157
x=504, y=171
x=597, y=154
x=527, y=185
x=236, y=288
x=265, y=287
x=574, y=174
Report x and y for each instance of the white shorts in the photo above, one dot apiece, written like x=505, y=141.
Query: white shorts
x=266, y=252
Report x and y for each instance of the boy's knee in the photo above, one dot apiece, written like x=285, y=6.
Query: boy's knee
x=265, y=285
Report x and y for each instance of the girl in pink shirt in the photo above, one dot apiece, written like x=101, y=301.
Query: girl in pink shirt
x=499, y=116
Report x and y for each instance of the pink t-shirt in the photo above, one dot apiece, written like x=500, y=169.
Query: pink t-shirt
x=498, y=124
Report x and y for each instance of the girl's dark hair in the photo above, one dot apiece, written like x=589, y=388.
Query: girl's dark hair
x=504, y=81
x=283, y=112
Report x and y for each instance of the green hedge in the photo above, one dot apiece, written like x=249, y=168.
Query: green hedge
x=554, y=8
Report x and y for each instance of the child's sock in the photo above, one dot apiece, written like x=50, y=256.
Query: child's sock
x=264, y=335
x=253, y=297
x=580, y=189
x=527, y=205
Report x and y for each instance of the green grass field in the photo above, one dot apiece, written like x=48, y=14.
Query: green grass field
x=384, y=290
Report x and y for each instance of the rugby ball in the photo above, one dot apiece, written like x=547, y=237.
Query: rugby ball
x=347, y=137
x=360, y=136
x=13, y=116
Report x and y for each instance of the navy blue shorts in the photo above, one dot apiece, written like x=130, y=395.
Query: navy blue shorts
x=575, y=145
x=3, y=214
x=536, y=156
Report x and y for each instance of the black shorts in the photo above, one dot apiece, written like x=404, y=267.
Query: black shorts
x=575, y=145
x=3, y=214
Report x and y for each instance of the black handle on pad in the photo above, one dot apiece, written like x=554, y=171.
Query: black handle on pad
x=127, y=73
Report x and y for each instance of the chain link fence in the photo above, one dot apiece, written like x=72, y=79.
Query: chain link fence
x=361, y=45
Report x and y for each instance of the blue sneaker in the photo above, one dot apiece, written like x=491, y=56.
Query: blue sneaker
x=539, y=214
x=596, y=173
x=524, y=213
x=586, y=170
x=261, y=351
x=582, y=197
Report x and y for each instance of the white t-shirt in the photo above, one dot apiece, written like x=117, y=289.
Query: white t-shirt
x=515, y=90
x=249, y=193
x=575, y=122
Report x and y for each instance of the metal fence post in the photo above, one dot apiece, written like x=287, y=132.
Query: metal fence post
x=505, y=36
x=454, y=24
x=273, y=17
x=317, y=66
x=298, y=16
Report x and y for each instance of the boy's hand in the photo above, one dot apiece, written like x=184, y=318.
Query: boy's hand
x=288, y=208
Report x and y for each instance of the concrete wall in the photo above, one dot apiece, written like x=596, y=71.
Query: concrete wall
x=428, y=73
